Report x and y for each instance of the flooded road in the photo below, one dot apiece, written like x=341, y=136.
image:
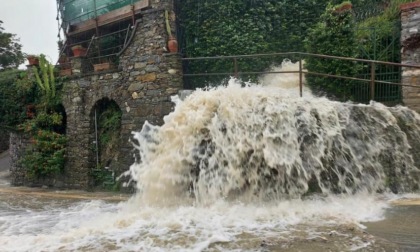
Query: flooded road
x=35, y=219
x=4, y=168
x=401, y=226
x=45, y=220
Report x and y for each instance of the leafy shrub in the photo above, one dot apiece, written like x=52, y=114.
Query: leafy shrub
x=333, y=35
x=239, y=27
x=109, y=124
x=47, y=155
x=376, y=32
x=16, y=92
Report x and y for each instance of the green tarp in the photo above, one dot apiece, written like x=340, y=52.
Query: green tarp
x=75, y=11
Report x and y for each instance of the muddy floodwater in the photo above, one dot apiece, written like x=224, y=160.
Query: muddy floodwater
x=44, y=220
x=234, y=168
x=400, y=226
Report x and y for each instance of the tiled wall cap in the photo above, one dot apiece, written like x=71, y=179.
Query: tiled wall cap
x=408, y=6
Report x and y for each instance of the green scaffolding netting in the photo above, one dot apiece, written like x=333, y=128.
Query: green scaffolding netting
x=75, y=11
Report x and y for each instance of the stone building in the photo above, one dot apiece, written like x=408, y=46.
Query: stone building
x=144, y=77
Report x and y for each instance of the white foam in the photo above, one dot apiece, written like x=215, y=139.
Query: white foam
x=134, y=226
x=288, y=82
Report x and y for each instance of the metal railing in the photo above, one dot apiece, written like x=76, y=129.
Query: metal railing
x=371, y=79
x=99, y=49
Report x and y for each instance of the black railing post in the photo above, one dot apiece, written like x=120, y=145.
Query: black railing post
x=372, y=81
x=300, y=77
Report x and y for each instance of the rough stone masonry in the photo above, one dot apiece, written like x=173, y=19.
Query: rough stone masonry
x=410, y=54
x=142, y=86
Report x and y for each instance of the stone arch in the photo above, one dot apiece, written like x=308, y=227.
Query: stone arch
x=105, y=134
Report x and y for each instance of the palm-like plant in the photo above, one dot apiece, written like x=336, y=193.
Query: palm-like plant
x=46, y=80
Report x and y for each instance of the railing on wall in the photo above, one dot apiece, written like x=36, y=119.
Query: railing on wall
x=99, y=50
x=367, y=86
x=101, y=27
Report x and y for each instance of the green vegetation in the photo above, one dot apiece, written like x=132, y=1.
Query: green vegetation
x=109, y=125
x=379, y=34
x=333, y=35
x=17, y=91
x=47, y=154
x=239, y=27
x=30, y=103
x=45, y=126
x=11, y=55
x=45, y=78
x=376, y=37
x=25, y=107
x=105, y=179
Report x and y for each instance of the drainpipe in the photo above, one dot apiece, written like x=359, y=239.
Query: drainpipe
x=96, y=140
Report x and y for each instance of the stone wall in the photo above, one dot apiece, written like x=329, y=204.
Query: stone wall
x=21, y=143
x=410, y=54
x=18, y=145
x=142, y=87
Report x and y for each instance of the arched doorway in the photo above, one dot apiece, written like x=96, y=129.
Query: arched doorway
x=106, y=129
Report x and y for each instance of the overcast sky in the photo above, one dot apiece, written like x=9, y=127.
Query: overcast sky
x=33, y=21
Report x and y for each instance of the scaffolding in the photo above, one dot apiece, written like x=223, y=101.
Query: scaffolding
x=100, y=27
x=76, y=11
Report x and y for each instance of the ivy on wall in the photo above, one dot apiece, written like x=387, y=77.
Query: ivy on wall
x=109, y=117
x=334, y=34
x=238, y=27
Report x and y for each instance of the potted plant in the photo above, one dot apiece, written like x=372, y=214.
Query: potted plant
x=32, y=59
x=66, y=72
x=172, y=43
x=102, y=66
x=78, y=51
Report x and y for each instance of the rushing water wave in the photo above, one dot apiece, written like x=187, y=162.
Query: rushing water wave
x=252, y=143
x=235, y=168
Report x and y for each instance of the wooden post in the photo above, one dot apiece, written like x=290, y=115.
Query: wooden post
x=235, y=65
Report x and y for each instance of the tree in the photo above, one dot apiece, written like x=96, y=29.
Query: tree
x=11, y=55
x=17, y=91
